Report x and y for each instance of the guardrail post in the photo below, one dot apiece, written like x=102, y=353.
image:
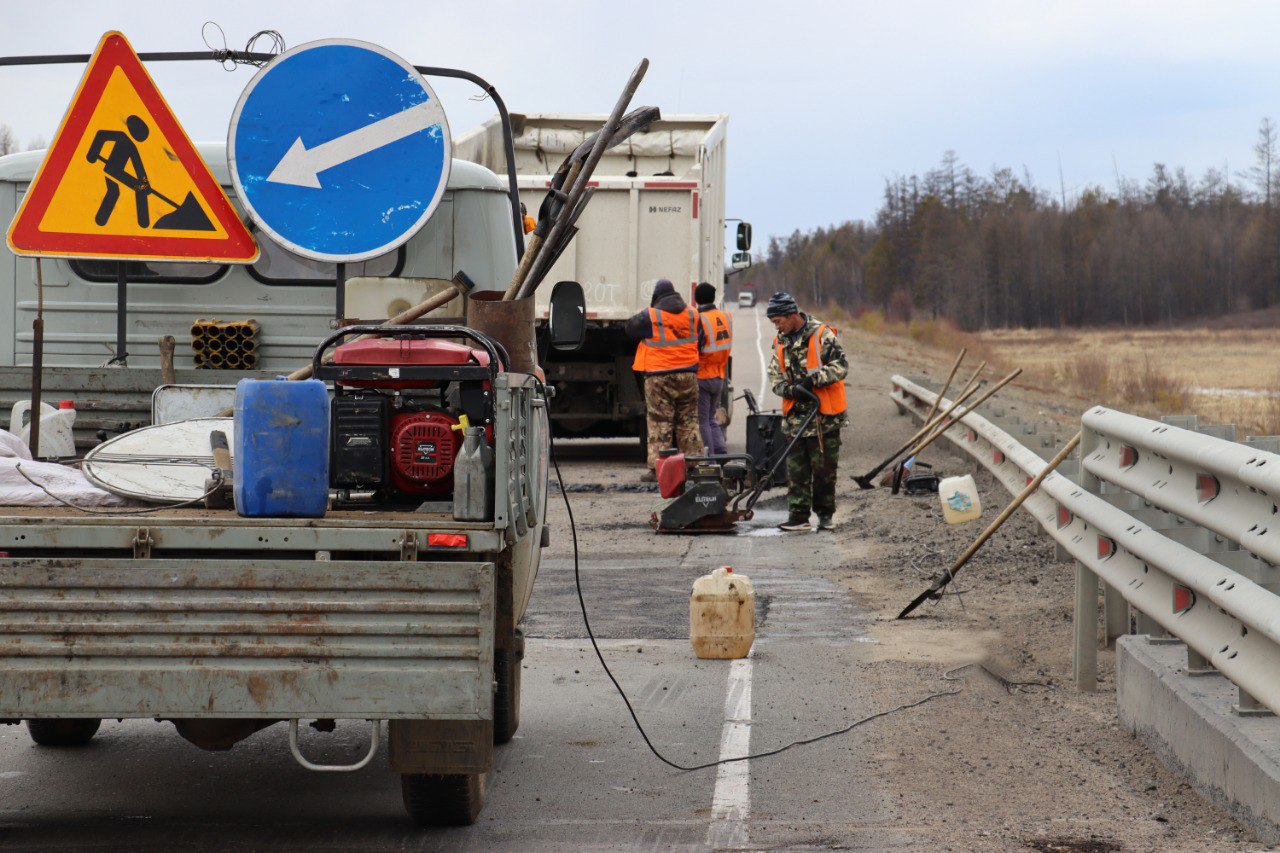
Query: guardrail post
x=1116, y=614
x=1247, y=706
x=1085, y=629
x=1180, y=421
x=1115, y=608
x=1226, y=432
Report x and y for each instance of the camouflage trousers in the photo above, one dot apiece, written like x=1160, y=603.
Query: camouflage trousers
x=671, y=404
x=811, y=474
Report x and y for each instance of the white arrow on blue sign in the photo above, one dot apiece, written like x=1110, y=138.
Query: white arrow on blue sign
x=339, y=150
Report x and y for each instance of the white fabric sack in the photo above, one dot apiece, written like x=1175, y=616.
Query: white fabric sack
x=67, y=483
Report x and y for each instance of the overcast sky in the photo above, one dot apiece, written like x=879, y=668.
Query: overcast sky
x=826, y=100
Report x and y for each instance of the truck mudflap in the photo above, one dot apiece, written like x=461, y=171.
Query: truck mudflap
x=269, y=638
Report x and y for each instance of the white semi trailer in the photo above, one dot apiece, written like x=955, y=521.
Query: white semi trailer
x=658, y=212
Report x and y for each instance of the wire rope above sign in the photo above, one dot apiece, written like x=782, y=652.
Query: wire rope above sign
x=339, y=150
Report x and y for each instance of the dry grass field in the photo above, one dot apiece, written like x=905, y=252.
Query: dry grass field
x=1225, y=372
x=1229, y=375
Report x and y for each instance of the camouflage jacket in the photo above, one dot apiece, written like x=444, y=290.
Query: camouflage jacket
x=834, y=367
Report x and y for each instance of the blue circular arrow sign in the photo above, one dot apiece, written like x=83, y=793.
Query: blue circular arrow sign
x=339, y=150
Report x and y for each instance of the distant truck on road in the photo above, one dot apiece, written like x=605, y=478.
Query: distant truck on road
x=747, y=297
x=658, y=212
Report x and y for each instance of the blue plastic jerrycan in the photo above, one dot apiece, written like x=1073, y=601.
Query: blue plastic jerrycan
x=281, y=448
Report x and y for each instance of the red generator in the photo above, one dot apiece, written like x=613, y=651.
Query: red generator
x=399, y=399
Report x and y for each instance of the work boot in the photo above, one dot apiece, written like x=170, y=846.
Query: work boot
x=795, y=522
x=649, y=476
x=826, y=522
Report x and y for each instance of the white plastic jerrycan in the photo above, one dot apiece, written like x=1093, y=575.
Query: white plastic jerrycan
x=960, y=501
x=722, y=615
x=56, y=438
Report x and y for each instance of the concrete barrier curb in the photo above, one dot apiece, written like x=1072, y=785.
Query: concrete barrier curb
x=1232, y=761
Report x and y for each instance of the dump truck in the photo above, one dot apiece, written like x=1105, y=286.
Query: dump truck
x=658, y=212
x=388, y=610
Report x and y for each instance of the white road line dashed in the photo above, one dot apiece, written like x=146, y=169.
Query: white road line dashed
x=764, y=368
x=731, y=802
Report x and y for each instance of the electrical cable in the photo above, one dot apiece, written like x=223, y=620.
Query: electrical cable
x=577, y=580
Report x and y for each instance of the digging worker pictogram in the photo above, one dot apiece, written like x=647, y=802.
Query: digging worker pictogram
x=123, y=166
x=713, y=362
x=807, y=354
x=669, y=337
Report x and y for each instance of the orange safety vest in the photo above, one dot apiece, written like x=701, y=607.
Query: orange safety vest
x=714, y=357
x=673, y=344
x=831, y=400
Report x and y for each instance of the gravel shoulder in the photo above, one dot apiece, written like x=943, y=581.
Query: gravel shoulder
x=997, y=767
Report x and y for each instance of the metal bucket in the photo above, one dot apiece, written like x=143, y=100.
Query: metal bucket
x=509, y=322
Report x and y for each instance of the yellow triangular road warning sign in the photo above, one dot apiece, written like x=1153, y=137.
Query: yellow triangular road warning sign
x=122, y=180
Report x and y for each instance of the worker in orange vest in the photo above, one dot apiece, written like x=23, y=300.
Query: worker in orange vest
x=668, y=335
x=713, y=365
x=807, y=354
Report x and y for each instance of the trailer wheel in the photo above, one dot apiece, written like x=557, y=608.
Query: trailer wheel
x=434, y=800
x=74, y=732
x=506, y=699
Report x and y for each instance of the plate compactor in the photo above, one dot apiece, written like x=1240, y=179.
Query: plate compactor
x=710, y=494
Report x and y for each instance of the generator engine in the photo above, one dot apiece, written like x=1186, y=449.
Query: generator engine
x=398, y=408
x=423, y=445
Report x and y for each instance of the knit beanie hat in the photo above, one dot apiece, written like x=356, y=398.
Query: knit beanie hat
x=781, y=304
x=664, y=287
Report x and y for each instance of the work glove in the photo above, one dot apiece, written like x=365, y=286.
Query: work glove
x=806, y=383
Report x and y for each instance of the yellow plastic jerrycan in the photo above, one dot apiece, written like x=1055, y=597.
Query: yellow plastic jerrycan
x=722, y=615
x=960, y=501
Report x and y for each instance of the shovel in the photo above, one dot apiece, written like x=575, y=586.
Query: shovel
x=946, y=423
x=864, y=482
x=933, y=410
x=940, y=582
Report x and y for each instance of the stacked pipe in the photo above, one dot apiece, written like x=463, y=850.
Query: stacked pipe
x=219, y=345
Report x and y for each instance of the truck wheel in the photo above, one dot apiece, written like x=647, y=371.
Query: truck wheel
x=506, y=699
x=75, y=732
x=433, y=800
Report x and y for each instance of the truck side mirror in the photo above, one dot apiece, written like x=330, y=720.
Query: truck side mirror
x=744, y=236
x=741, y=260
x=568, y=320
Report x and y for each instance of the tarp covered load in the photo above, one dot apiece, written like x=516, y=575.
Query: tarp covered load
x=67, y=483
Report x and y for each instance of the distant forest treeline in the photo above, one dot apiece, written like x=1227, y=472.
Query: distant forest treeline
x=998, y=251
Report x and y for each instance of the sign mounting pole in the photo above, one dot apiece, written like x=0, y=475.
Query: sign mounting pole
x=340, y=295
x=121, y=358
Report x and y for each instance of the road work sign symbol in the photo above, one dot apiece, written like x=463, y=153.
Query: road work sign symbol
x=122, y=180
x=339, y=150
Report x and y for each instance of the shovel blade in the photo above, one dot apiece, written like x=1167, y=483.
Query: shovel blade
x=188, y=216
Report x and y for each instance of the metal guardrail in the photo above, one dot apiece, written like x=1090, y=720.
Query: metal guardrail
x=1229, y=619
